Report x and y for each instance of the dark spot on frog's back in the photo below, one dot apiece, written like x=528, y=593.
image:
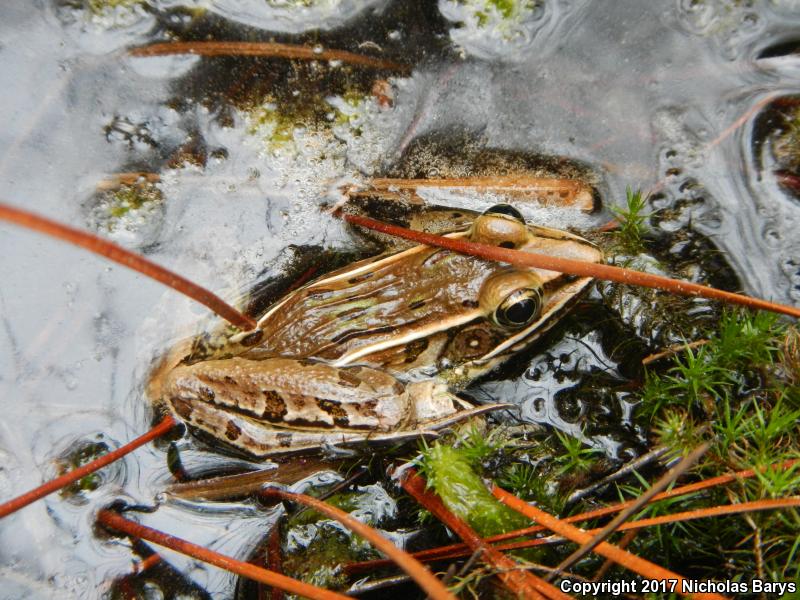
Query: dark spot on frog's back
x=469, y=303
x=360, y=278
x=335, y=410
x=347, y=379
x=284, y=440
x=368, y=408
x=182, y=407
x=317, y=292
x=232, y=431
x=274, y=406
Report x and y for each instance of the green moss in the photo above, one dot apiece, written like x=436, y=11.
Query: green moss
x=276, y=128
x=509, y=10
x=786, y=146
x=132, y=197
x=318, y=563
x=84, y=454
x=739, y=392
x=104, y=7
x=450, y=473
x=142, y=200
x=277, y=120
x=631, y=222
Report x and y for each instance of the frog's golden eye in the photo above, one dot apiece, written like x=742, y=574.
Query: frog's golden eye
x=501, y=225
x=519, y=309
x=512, y=299
x=506, y=210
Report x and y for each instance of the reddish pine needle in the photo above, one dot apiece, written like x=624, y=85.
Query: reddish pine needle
x=630, y=561
x=455, y=550
x=573, y=267
x=462, y=550
x=67, y=478
x=128, y=259
x=268, y=50
x=119, y=523
x=522, y=583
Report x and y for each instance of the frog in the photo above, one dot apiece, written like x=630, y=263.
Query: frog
x=377, y=351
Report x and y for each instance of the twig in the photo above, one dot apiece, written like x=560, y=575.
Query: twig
x=461, y=550
x=573, y=267
x=563, y=192
x=623, y=543
x=116, y=180
x=117, y=522
x=628, y=468
x=674, y=349
x=267, y=49
x=377, y=584
x=64, y=480
x=414, y=568
x=464, y=569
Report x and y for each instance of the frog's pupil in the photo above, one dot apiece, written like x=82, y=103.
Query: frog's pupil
x=520, y=312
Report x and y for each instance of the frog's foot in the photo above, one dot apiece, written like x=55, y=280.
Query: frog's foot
x=435, y=407
x=463, y=415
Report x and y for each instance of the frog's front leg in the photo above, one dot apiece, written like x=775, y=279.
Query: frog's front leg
x=281, y=404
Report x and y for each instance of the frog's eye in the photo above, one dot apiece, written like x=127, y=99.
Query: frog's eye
x=519, y=309
x=505, y=210
x=501, y=225
x=512, y=299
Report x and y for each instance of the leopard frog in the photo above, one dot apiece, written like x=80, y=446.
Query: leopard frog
x=375, y=351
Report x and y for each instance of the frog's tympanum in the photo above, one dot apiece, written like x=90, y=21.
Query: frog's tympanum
x=374, y=351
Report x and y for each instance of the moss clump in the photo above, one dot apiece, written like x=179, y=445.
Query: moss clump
x=103, y=7
x=82, y=455
x=485, y=11
x=739, y=391
x=316, y=545
x=318, y=562
x=450, y=473
x=632, y=227
x=127, y=209
x=786, y=146
x=131, y=197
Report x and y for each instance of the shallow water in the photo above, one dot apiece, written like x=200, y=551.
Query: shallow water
x=663, y=96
